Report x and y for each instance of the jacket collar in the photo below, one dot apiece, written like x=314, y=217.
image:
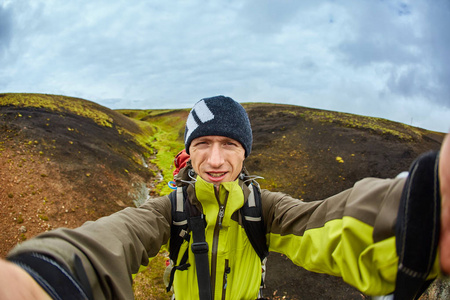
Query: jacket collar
x=187, y=176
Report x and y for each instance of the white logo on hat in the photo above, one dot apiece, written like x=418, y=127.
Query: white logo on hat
x=204, y=115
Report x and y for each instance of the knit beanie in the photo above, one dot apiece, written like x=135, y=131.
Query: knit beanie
x=219, y=116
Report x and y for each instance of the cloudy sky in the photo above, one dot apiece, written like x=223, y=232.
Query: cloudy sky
x=388, y=59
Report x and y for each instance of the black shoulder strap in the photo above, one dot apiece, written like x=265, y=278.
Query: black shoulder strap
x=178, y=233
x=253, y=222
x=187, y=217
x=179, y=227
x=199, y=247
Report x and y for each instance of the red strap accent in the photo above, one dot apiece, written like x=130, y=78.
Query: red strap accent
x=180, y=161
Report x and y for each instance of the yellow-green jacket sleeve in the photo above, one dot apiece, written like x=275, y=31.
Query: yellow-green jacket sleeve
x=351, y=234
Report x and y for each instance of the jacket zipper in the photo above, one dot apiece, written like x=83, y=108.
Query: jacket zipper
x=215, y=244
x=221, y=214
x=225, y=279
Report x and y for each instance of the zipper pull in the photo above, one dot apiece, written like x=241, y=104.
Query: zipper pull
x=227, y=271
x=221, y=214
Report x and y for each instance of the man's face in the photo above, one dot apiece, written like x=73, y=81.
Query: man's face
x=217, y=159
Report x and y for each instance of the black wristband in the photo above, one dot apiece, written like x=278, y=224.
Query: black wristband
x=54, y=278
x=418, y=227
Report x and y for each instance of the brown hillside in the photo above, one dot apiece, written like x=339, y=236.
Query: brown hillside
x=60, y=167
x=296, y=150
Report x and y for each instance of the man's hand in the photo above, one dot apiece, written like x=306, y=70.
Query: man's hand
x=16, y=284
x=444, y=181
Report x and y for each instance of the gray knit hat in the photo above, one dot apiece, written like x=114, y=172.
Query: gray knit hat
x=219, y=116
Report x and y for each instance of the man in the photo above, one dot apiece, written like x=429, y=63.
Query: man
x=351, y=234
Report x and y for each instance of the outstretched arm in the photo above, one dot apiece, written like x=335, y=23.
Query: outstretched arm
x=16, y=284
x=444, y=179
x=97, y=259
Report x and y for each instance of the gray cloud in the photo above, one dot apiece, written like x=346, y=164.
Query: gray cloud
x=412, y=47
x=436, y=41
x=5, y=29
x=333, y=55
x=268, y=17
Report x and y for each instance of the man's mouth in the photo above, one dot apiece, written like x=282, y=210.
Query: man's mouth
x=217, y=174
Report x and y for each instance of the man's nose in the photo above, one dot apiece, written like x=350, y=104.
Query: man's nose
x=216, y=156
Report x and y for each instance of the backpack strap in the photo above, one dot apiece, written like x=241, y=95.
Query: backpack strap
x=255, y=229
x=186, y=217
x=179, y=227
x=253, y=222
x=199, y=247
x=178, y=233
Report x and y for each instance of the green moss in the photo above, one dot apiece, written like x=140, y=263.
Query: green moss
x=19, y=219
x=377, y=125
x=58, y=103
x=148, y=283
x=286, y=112
x=160, y=134
x=43, y=217
x=140, y=114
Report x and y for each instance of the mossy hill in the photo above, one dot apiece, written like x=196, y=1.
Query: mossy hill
x=64, y=161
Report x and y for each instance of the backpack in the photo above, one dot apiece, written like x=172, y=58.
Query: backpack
x=187, y=220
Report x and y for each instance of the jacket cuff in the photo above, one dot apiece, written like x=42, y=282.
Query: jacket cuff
x=53, y=277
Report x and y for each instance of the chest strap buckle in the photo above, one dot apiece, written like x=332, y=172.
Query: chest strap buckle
x=199, y=247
